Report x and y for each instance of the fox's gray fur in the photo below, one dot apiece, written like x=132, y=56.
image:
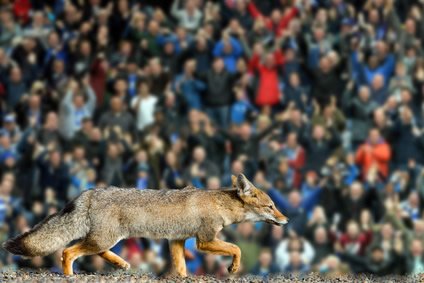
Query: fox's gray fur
x=106, y=216
x=54, y=232
x=100, y=218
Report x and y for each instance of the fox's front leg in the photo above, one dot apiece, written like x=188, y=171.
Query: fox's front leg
x=176, y=248
x=220, y=247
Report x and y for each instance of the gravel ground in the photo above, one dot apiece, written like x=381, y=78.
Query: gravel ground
x=45, y=276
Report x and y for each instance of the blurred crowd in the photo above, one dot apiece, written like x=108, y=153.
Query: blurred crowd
x=318, y=102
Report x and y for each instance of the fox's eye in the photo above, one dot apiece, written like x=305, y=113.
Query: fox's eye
x=270, y=206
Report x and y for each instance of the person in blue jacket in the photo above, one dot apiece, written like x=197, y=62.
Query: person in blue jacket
x=380, y=62
x=230, y=50
x=190, y=87
x=297, y=207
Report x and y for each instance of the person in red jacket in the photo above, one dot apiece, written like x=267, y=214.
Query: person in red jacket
x=354, y=241
x=21, y=9
x=374, y=154
x=268, y=90
x=278, y=21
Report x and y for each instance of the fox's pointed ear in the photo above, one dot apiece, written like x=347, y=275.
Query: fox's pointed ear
x=234, y=181
x=244, y=187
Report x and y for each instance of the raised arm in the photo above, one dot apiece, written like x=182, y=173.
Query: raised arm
x=91, y=102
x=286, y=19
x=254, y=12
x=237, y=47
x=279, y=200
x=218, y=48
x=311, y=200
x=175, y=9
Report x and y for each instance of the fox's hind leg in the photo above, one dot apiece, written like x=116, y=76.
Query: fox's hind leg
x=70, y=254
x=115, y=259
x=217, y=246
x=176, y=248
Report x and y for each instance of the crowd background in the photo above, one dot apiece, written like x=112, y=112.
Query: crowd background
x=318, y=102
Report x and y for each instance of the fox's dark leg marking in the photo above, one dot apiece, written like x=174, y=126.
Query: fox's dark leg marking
x=217, y=246
x=176, y=248
x=115, y=259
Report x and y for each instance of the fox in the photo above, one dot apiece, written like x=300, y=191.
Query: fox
x=99, y=218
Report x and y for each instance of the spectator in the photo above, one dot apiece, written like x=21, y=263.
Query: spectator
x=268, y=91
x=407, y=138
x=230, y=50
x=74, y=109
x=374, y=155
x=320, y=102
x=117, y=117
x=360, y=109
x=144, y=105
x=16, y=87
x=319, y=145
x=285, y=257
x=188, y=17
x=219, y=96
x=354, y=242
x=414, y=260
x=190, y=87
x=200, y=168
x=265, y=266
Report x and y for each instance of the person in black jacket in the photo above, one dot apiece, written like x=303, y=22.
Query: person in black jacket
x=219, y=92
x=407, y=139
x=319, y=146
x=359, y=108
x=326, y=81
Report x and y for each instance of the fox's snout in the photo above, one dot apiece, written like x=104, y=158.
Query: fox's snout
x=285, y=221
x=281, y=218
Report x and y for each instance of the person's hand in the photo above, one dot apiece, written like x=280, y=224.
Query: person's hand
x=416, y=131
x=292, y=233
x=72, y=85
x=144, y=44
x=86, y=80
x=398, y=245
x=411, y=163
x=258, y=49
x=350, y=85
x=338, y=247
x=194, y=171
x=333, y=101
x=241, y=32
x=322, y=182
x=67, y=158
x=118, y=131
x=316, y=106
x=329, y=123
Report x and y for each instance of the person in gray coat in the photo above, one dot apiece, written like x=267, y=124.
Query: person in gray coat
x=74, y=107
x=360, y=109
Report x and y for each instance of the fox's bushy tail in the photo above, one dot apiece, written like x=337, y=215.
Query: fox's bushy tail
x=54, y=232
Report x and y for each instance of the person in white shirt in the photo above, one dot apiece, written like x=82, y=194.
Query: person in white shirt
x=144, y=105
x=189, y=17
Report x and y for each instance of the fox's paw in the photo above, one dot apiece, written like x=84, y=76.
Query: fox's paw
x=126, y=266
x=233, y=268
